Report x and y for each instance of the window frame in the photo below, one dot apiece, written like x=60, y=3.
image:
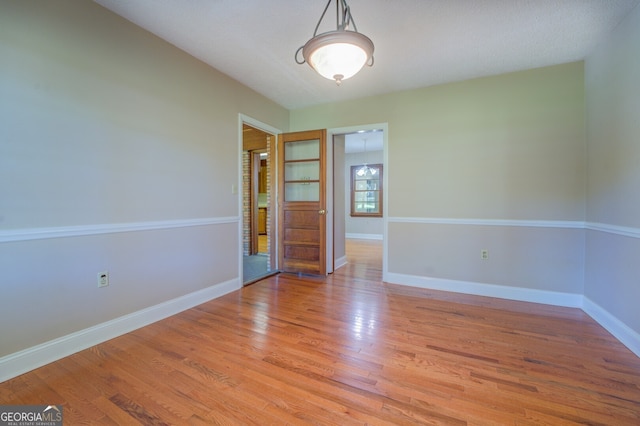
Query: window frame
x=380, y=192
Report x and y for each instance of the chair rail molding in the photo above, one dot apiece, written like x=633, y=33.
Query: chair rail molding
x=26, y=234
x=625, y=231
x=490, y=222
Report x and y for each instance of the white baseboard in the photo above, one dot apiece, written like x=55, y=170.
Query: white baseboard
x=339, y=263
x=364, y=236
x=571, y=300
x=613, y=325
x=31, y=358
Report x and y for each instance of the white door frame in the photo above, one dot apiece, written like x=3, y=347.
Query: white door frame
x=245, y=119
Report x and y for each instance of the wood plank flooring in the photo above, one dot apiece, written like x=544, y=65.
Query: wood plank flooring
x=346, y=350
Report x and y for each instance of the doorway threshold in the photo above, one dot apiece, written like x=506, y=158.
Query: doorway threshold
x=254, y=280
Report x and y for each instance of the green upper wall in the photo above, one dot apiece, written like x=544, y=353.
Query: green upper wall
x=103, y=122
x=613, y=123
x=505, y=147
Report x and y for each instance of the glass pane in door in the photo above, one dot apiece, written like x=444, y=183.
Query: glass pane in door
x=296, y=191
x=302, y=150
x=302, y=170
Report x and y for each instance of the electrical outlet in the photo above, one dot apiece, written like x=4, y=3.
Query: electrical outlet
x=103, y=279
x=484, y=254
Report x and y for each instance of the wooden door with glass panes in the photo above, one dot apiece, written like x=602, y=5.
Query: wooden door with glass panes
x=301, y=212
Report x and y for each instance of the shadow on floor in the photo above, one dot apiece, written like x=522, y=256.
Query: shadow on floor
x=255, y=267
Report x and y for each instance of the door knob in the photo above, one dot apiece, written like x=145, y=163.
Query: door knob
x=322, y=211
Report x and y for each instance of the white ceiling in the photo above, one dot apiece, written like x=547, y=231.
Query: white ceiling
x=418, y=43
x=371, y=140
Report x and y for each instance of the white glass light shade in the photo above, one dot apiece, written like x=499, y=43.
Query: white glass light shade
x=366, y=170
x=338, y=55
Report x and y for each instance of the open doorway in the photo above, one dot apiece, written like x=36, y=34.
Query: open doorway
x=258, y=260
x=352, y=149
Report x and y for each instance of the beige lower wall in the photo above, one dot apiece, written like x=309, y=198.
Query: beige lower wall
x=49, y=286
x=542, y=258
x=612, y=275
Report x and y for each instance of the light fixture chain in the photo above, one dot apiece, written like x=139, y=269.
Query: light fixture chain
x=365, y=153
x=347, y=17
x=315, y=32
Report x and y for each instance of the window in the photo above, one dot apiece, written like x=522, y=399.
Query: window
x=366, y=190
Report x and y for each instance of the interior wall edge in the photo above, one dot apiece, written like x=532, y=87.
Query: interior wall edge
x=624, y=231
x=13, y=365
x=625, y=334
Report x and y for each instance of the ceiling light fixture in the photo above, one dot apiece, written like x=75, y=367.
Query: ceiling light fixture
x=340, y=54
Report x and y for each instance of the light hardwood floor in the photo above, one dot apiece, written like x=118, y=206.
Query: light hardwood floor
x=344, y=350
x=262, y=244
